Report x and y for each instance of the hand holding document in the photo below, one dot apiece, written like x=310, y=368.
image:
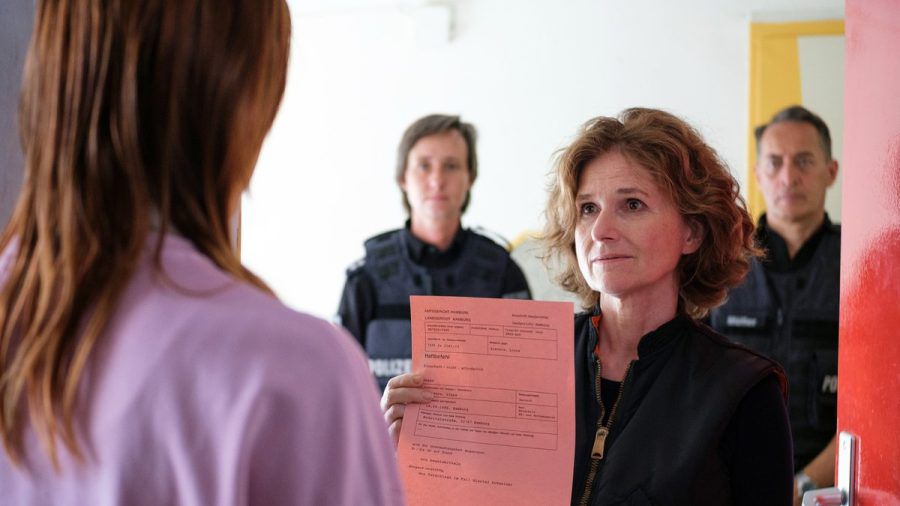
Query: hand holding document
x=500, y=428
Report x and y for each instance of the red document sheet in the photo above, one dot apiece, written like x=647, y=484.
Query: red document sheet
x=501, y=427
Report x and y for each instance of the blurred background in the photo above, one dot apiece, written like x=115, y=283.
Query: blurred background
x=527, y=74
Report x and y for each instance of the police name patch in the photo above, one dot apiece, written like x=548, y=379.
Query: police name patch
x=741, y=321
x=829, y=384
x=389, y=367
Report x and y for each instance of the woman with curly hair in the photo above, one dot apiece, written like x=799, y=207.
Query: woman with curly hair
x=651, y=232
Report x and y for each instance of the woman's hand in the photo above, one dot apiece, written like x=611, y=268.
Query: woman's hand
x=400, y=391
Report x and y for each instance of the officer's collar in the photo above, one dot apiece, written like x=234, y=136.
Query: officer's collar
x=422, y=252
x=777, y=257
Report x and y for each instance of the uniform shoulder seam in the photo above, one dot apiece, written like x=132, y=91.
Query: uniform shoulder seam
x=380, y=237
x=719, y=339
x=490, y=238
x=356, y=266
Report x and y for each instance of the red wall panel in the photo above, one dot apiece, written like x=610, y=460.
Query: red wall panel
x=869, y=362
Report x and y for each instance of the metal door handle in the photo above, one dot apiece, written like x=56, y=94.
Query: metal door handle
x=842, y=495
x=824, y=497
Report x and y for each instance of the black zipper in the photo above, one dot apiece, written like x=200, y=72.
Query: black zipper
x=602, y=432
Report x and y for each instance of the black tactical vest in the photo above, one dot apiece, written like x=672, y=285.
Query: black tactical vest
x=477, y=272
x=792, y=317
x=677, y=401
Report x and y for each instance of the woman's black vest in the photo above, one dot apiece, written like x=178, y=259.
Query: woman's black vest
x=679, y=397
x=792, y=317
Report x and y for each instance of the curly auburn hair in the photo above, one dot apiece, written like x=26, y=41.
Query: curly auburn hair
x=690, y=172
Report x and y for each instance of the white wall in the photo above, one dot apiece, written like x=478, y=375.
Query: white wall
x=526, y=73
x=821, y=60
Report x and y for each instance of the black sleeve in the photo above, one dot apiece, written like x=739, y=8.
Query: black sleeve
x=514, y=284
x=757, y=448
x=357, y=305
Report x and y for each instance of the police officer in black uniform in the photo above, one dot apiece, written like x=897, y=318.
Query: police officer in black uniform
x=432, y=254
x=787, y=307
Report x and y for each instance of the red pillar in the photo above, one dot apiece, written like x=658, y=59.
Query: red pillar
x=869, y=360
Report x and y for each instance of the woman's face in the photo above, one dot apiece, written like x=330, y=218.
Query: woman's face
x=437, y=176
x=629, y=235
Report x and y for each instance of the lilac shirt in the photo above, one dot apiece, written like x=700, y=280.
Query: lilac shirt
x=212, y=392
